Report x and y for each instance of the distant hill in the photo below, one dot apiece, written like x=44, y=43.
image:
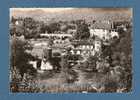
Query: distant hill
x=76, y=13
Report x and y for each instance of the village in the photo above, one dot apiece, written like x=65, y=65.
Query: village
x=61, y=41
x=74, y=53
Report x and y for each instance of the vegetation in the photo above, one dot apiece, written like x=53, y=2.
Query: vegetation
x=19, y=63
x=120, y=54
x=82, y=31
x=90, y=63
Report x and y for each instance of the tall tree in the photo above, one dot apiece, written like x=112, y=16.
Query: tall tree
x=82, y=31
x=53, y=27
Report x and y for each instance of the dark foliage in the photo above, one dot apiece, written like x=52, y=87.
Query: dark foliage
x=20, y=58
x=82, y=31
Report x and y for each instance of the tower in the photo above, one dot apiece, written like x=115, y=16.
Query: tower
x=47, y=53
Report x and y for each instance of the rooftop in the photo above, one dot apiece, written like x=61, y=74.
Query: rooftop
x=82, y=42
x=101, y=25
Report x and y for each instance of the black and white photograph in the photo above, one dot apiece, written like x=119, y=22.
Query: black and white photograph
x=70, y=50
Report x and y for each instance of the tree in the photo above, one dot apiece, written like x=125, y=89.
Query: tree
x=16, y=30
x=42, y=28
x=19, y=57
x=82, y=31
x=29, y=23
x=121, y=55
x=12, y=30
x=51, y=28
x=64, y=63
x=13, y=20
x=91, y=62
x=50, y=42
x=31, y=28
x=64, y=28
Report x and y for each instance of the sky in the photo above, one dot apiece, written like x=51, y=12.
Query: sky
x=44, y=9
x=65, y=9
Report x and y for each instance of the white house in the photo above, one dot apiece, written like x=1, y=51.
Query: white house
x=114, y=34
x=98, y=45
x=34, y=63
x=83, y=47
x=100, y=33
x=45, y=65
x=103, y=30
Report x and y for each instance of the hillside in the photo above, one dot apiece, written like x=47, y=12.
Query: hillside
x=74, y=13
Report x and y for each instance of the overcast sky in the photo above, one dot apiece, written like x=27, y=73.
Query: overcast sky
x=70, y=13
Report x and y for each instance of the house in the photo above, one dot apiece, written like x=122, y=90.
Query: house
x=86, y=47
x=102, y=30
x=98, y=45
x=100, y=33
x=33, y=63
x=114, y=34
x=59, y=36
x=46, y=65
x=19, y=22
x=119, y=24
x=82, y=47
